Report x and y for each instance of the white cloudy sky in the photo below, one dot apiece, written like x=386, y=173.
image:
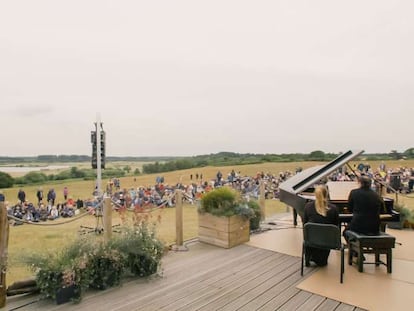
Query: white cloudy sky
x=193, y=77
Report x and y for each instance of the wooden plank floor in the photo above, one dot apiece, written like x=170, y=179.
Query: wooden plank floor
x=205, y=278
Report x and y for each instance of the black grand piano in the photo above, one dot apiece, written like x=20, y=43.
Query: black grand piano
x=298, y=189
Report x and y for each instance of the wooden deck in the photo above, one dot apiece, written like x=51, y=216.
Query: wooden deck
x=205, y=277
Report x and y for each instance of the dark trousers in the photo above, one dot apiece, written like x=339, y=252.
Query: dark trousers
x=317, y=255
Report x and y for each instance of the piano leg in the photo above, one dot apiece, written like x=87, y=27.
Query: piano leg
x=295, y=217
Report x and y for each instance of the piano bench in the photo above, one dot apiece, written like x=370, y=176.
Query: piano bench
x=360, y=244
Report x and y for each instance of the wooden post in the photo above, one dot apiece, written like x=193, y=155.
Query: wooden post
x=107, y=219
x=4, y=241
x=262, y=201
x=178, y=218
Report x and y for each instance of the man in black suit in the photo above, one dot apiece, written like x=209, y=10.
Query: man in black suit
x=366, y=206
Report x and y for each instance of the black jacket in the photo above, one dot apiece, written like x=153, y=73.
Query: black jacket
x=366, y=205
x=311, y=215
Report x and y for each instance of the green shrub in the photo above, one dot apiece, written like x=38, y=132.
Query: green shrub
x=6, y=181
x=255, y=220
x=105, y=267
x=220, y=202
x=225, y=201
x=406, y=216
x=90, y=263
x=142, y=250
x=62, y=269
x=32, y=178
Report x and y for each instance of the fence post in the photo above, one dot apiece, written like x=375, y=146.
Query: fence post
x=262, y=201
x=107, y=218
x=4, y=241
x=178, y=218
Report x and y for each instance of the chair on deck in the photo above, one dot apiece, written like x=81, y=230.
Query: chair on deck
x=324, y=236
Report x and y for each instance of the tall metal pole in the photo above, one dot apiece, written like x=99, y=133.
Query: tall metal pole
x=98, y=155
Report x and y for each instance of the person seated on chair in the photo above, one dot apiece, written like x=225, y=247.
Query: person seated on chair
x=324, y=212
x=365, y=205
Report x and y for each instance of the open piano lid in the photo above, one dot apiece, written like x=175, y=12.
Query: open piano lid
x=308, y=177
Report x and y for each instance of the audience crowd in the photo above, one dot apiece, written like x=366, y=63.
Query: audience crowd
x=42, y=211
x=160, y=194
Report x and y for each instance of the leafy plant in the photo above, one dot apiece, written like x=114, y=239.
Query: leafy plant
x=406, y=216
x=88, y=263
x=6, y=181
x=255, y=219
x=227, y=202
x=142, y=250
x=105, y=266
x=60, y=270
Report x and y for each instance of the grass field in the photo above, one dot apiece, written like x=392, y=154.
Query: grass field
x=51, y=238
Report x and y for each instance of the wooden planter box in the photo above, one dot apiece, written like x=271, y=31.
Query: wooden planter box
x=223, y=231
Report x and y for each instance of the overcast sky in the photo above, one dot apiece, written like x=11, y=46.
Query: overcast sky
x=197, y=77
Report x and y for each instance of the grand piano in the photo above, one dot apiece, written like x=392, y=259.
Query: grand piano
x=299, y=189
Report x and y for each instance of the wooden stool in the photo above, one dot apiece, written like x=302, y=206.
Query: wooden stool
x=360, y=244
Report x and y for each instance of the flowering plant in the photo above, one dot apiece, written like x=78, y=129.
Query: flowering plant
x=90, y=263
x=60, y=270
x=105, y=266
x=142, y=249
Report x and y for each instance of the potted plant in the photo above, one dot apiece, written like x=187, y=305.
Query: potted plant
x=224, y=218
x=142, y=250
x=67, y=287
x=408, y=218
x=255, y=219
x=405, y=217
x=86, y=263
x=105, y=266
x=62, y=276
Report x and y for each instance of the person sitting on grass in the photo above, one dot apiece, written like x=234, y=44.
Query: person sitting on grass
x=28, y=216
x=70, y=202
x=54, y=213
x=43, y=213
x=67, y=211
x=17, y=211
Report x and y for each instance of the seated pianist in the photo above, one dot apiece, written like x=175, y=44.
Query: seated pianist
x=319, y=211
x=365, y=206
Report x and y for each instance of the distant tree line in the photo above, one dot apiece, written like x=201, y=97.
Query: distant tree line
x=6, y=181
x=168, y=164
x=221, y=158
x=76, y=158
x=231, y=158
